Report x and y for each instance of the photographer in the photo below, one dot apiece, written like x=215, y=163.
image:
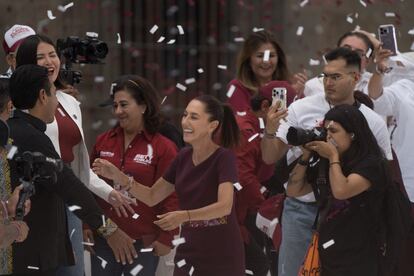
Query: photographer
x=341, y=74
x=47, y=245
x=363, y=226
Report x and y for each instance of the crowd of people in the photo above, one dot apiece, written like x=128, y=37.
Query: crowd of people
x=337, y=158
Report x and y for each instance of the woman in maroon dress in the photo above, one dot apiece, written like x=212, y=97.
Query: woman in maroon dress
x=202, y=176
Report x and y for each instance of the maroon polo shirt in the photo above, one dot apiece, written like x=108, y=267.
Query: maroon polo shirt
x=69, y=134
x=145, y=159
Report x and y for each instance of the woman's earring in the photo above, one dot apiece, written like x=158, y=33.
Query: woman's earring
x=352, y=136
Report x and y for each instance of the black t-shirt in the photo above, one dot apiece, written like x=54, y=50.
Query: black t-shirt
x=348, y=237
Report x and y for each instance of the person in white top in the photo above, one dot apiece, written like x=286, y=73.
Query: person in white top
x=341, y=74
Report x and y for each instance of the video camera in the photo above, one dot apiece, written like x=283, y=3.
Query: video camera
x=300, y=136
x=89, y=50
x=32, y=166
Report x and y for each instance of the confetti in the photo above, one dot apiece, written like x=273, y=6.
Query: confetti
x=71, y=233
x=143, y=250
x=50, y=15
x=255, y=30
x=253, y=137
x=74, y=207
x=191, y=271
x=263, y=189
x=136, y=270
x=328, y=243
x=180, y=29
x=96, y=125
x=11, y=152
x=324, y=59
x=135, y=216
x=231, y=90
x=103, y=262
x=363, y=3
x=248, y=272
x=238, y=39
x=171, y=41
x=161, y=39
x=181, y=263
x=299, y=31
x=99, y=79
x=222, y=67
x=200, y=70
x=103, y=221
x=92, y=34
x=314, y=62
x=65, y=7
x=181, y=87
x=237, y=186
x=261, y=123
x=266, y=55
x=389, y=14
x=178, y=241
x=163, y=100
x=153, y=29
x=303, y=3
x=190, y=80
x=119, y=38
x=88, y=243
x=32, y=267
x=411, y=32
x=241, y=113
x=349, y=19
x=368, y=54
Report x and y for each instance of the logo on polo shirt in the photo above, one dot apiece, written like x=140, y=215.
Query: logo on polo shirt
x=106, y=154
x=145, y=159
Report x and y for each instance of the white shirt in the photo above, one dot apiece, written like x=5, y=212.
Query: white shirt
x=397, y=100
x=309, y=112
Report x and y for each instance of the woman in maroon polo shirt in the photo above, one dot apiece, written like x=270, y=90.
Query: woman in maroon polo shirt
x=138, y=150
x=203, y=177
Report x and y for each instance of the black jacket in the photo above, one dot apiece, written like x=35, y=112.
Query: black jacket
x=48, y=245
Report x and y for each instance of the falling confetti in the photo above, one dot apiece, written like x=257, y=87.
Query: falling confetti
x=181, y=263
x=200, y=70
x=303, y=3
x=191, y=271
x=71, y=233
x=74, y=207
x=241, y=113
x=153, y=29
x=363, y=3
x=103, y=221
x=249, y=272
x=135, y=216
x=349, y=19
x=299, y=31
x=231, y=90
x=253, y=137
x=32, y=267
x=237, y=186
x=161, y=39
x=180, y=29
x=266, y=55
x=190, y=80
x=181, y=87
x=261, y=123
x=238, y=39
x=119, y=38
x=92, y=34
x=88, y=243
x=11, y=152
x=314, y=62
x=178, y=241
x=99, y=79
x=368, y=54
x=222, y=67
x=171, y=41
x=328, y=243
x=143, y=250
x=50, y=15
x=136, y=270
x=411, y=32
x=163, y=100
x=64, y=8
x=255, y=30
x=389, y=14
x=263, y=189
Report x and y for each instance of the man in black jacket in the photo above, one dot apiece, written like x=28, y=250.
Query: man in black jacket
x=48, y=244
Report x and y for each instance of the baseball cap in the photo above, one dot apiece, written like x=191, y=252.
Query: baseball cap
x=14, y=36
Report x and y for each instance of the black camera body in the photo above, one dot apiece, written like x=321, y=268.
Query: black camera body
x=300, y=136
x=89, y=50
x=30, y=167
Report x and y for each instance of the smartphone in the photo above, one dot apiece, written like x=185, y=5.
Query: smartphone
x=279, y=93
x=387, y=37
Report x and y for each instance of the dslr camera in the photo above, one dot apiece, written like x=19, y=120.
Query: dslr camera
x=89, y=50
x=300, y=136
x=32, y=166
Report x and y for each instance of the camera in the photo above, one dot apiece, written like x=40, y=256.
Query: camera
x=89, y=50
x=300, y=136
x=32, y=166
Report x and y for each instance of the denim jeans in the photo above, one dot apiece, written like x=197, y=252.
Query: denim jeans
x=147, y=259
x=75, y=226
x=297, y=221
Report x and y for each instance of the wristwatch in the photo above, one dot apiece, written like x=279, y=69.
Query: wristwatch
x=108, y=229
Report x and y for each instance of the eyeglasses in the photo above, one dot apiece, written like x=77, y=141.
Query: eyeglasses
x=333, y=77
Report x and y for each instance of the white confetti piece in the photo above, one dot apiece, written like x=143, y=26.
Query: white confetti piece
x=103, y=221
x=11, y=152
x=261, y=123
x=171, y=41
x=181, y=87
x=153, y=29
x=266, y=55
x=200, y=70
x=135, y=216
x=50, y=15
x=241, y=113
x=231, y=90
x=356, y=15
x=389, y=14
x=190, y=80
x=238, y=39
x=248, y=272
x=181, y=263
x=349, y=19
x=71, y=233
x=88, y=243
x=253, y=137
x=65, y=7
x=161, y=39
x=303, y=3
x=222, y=67
x=263, y=189
x=191, y=271
x=368, y=54
x=136, y=270
x=237, y=186
x=143, y=250
x=314, y=62
x=411, y=32
x=324, y=60
x=99, y=79
x=103, y=262
x=255, y=30
x=96, y=125
x=119, y=41
x=363, y=3
x=163, y=100
x=299, y=31
x=74, y=207
x=92, y=34
x=180, y=29
x=328, y=243
x=32, y=267
x=178, y=241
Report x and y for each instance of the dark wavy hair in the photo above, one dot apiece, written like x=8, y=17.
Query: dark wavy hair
x=228, y=128
x=143, y=92
x=244, y=71
x=361, y=36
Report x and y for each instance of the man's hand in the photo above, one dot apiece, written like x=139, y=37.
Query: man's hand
x=299, y=80
x=88, y=237
x=12, y=202
x=22, y=229
x=160, y=249
x=121, y=203
x=122, y=246
x=273, y=117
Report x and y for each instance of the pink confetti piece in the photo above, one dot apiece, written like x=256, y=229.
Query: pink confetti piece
x=191, y=271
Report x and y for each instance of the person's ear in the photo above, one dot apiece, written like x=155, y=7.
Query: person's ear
x=213, y=126
x=43, y=97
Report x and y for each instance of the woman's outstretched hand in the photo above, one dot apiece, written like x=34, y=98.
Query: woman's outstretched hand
x=106, y=169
